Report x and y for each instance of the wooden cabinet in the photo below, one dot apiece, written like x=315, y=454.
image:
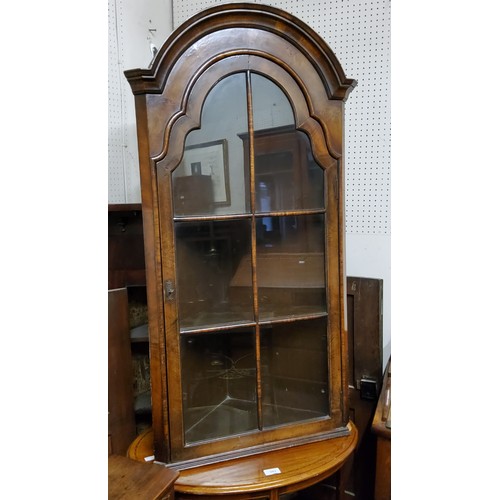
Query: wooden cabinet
x=240, y=132
x=128, y=333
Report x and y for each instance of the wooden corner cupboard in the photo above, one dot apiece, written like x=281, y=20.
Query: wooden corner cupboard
x=240, y=132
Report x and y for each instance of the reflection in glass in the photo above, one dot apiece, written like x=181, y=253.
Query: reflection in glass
x=290, y=266
x=286, y=175
x=219, y=384
x=208, y=255
x=211, y=176
x=294, y=372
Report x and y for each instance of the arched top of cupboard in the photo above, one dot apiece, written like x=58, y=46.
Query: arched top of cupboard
x=232, y=29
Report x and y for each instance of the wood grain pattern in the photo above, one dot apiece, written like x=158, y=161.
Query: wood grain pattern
x=121, y=419
x=383, y=433
x=222, y=41
x=243, y=478
x=131, y=480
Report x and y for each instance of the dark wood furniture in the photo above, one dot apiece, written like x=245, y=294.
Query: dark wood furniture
x=365, y=332
x=131, y=480
x=125, y=246
x=244, y=361
x=364, y=322
x=381, y=427
x=364, y=315
x=121, y=421
x=126, y=272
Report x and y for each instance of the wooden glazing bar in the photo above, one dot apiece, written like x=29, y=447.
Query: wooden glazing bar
x=254, y=250
x=217, y=328
x=291, y=319
x=284, y=213
x=208, y=218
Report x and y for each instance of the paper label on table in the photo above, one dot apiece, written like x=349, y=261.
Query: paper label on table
x=148, y=459
x=270, y=472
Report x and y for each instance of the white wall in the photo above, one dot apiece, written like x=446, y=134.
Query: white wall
x=358, y=32
x=132, y=27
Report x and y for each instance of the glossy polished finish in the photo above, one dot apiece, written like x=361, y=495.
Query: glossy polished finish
x=257, y=476
x=240, y=131
x=131, y=480
x=299, y=467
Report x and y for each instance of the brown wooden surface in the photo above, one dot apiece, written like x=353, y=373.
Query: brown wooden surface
x=383, y=475
x=364, y=305
x=121, y=420
x=131, y=480
x=300, y=466
x=364, y=312
x=169, y=98
x=381, y=428
x=126, y=266
x=241, y=478
x=142, y=446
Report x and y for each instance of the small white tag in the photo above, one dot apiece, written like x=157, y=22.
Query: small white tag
x=270, y=472
x=148, y=459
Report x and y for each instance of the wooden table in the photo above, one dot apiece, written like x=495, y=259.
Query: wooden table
x=266, y=475
x=131, y=480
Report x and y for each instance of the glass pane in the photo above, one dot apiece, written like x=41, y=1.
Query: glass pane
x=294, y=371
x=208, y=255
x=211, y=176
x=218, y=384
x=286, y=175
x=290, y=266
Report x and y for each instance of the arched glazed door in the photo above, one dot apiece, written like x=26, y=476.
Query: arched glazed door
x=241, y=168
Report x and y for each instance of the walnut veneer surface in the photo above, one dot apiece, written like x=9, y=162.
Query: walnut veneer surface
x=244, y=477
x=131, y=480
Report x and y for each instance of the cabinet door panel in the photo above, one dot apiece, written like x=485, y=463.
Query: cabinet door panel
x=286, y=175
x=210, y=179
x=295, y=371
x=219, y=384
x=290, y=266
x=208, y=256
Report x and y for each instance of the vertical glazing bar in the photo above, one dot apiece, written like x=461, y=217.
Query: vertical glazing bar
x=254, y=249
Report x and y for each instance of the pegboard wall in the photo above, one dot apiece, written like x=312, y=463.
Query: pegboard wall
x=135, y=30
x=358, y=31
x=116, y=172
x=359, y=34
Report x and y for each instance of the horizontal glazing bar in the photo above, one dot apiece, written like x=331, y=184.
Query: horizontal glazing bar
x=291, y=319
x=218, y=328
x=204, y=218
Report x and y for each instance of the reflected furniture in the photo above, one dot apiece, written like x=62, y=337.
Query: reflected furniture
x=240, y=133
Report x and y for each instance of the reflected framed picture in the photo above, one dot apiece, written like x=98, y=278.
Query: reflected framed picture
x=210, y=158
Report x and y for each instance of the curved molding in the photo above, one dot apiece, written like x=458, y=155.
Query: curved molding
x=308, y=115
x=223, y=18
